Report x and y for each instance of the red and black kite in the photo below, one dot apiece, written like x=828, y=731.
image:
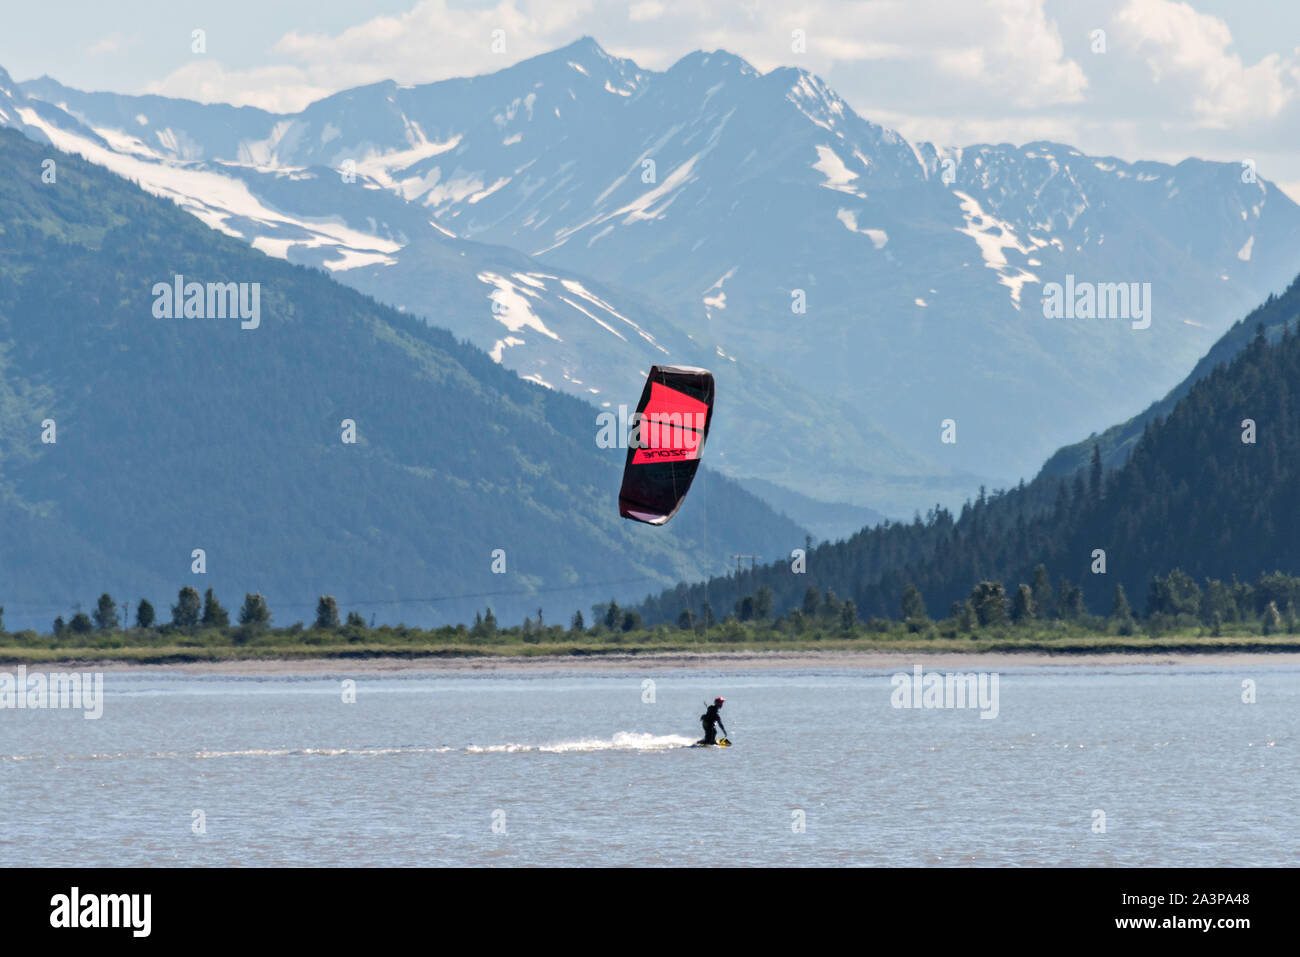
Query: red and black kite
x=671, y=423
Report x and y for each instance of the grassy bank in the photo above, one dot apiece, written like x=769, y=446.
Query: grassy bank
x=146, y=647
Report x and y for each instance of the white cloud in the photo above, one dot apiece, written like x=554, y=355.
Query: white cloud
x=273, y=88
x=1192, y=51
x=645, y=10
x=109, y=45
x=1007, y=49
x=432, y=41
x=980, y=127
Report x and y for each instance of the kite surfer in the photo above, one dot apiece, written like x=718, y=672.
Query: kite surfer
x=712, y=716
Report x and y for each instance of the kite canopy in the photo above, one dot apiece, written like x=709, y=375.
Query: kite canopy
x=671, y=423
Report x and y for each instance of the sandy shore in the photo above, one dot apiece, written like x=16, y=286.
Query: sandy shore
x=806, y=661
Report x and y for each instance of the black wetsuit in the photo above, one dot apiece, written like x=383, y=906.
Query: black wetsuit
x=709, y=719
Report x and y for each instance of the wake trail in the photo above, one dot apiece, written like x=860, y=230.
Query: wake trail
x=621, y=741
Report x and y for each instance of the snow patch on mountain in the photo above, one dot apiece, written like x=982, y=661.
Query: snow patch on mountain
x=510, y=305
x=838, y=175
x=577, y=289
x=878, y=237
x=503, y=344
x=994, y=237
x=380, y=165
x=600, y=322
x=219, y=200
x=352, y=258
x=437, y=193
x=718, y=300
x=485, y=193
x=650, y=205
x=262, y=153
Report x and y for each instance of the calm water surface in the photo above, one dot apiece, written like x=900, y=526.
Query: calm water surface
x=578, y=770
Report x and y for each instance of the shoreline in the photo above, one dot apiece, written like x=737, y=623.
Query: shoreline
x=679, y=660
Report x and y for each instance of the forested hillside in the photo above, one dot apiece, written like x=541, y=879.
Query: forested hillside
x=128, y=441
x=1212, y=489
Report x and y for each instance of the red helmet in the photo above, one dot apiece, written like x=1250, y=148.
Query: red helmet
x=719, y=700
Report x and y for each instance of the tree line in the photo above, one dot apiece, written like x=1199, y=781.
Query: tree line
x=1174, y=601
x=1269, y=605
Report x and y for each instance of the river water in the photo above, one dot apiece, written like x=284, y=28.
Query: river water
x=1082, y=765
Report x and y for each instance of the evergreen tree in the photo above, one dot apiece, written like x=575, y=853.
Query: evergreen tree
x=1272, y=620
x=60, y=626
x=1022, y=605
x=686, y=620
x=355, y=620
x=1095, y=474
x=830, y=605
x=1069, y=601
x=613, y=615
x=578, y=623
x=989, y=600
x=913, y=605
x=1121, y=614
x=106, y=613
x=811, y=601
x=848, y=615
x=144, y=614
x=1243, y=600
x=489, y=621
x=1174, y=594
x=706, y=615
x=327, y=613
x=254, y=613
x=185, y=613
x=1078, y=494
x=81, y=623
x=967, y=619
x=763, y=603
x=1216, y=601
x=214, y=616
x=1042, y=588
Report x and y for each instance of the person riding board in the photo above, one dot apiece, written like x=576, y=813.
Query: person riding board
x=711, y=717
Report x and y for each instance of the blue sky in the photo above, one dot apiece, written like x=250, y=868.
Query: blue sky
x=1209, y=78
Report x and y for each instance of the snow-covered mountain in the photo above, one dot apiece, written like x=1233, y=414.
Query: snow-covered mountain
x=579, y=217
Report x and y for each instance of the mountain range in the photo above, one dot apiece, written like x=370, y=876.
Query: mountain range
x=579, y=217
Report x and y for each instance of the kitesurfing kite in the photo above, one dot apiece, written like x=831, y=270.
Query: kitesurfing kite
x=671, y=423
